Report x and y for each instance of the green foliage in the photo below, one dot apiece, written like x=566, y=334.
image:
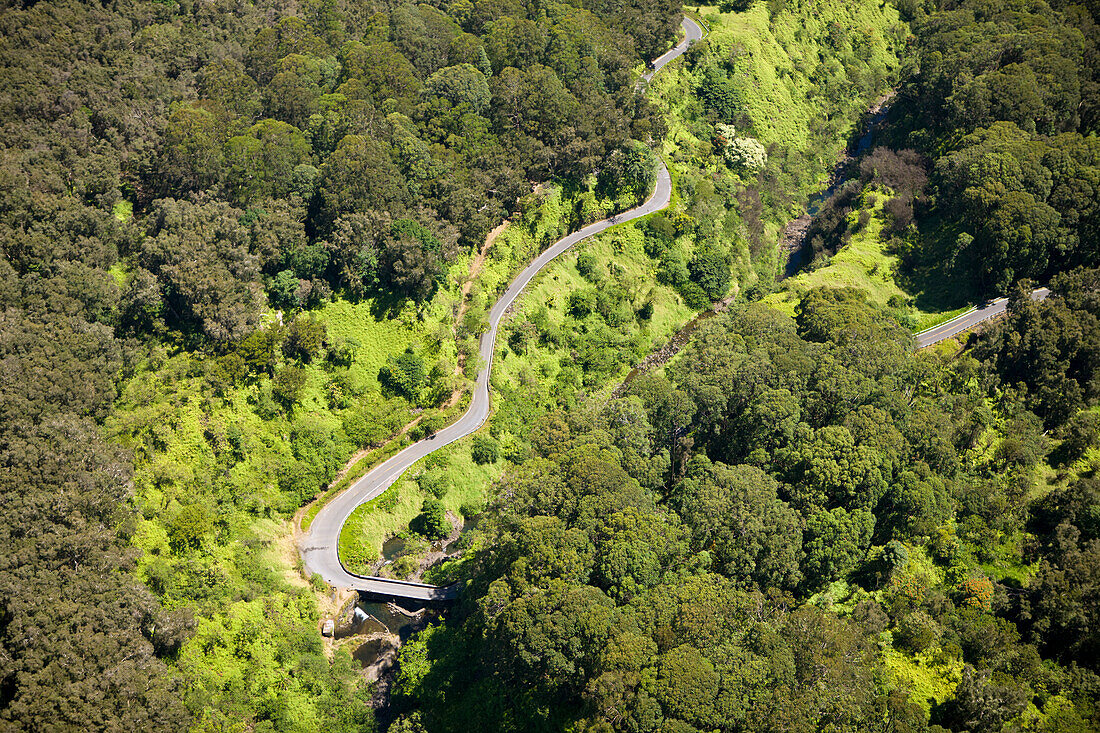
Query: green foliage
x=432, y=521
x=114, y=633
x=625, y=577
x=259, y=353
x=404, y=374
x=268, y=650
x=287, y=385
x=200, y=254
x=1034, y=348
x=588, y=266
x=190, y=526
x=1079, y=434
x=736, y=516
x=1014, y=161
x=283, y=292
x=710, y=270
x=484, y=449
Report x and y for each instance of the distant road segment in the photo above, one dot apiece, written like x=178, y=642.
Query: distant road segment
x=970, y=319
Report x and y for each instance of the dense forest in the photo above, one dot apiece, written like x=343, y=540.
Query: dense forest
x=239, y=248
x=804, y=526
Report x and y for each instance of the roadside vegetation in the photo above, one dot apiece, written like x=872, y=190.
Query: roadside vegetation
x=599, y=310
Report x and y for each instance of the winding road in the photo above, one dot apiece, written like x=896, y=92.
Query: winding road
x=968, y=320
x=320, y=546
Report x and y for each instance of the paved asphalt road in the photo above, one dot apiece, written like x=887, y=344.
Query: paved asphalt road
x=970, y=319
x=319, y=547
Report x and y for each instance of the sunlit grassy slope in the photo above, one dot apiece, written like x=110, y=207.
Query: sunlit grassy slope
x=864, y=264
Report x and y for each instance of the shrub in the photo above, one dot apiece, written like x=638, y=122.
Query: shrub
x=1076, y=436
x=404, y=374
x=588, y=266
x=471, y=509
x=342, y=354
x=432, y=521
x=659, y=233
x=863, y=220
x=582, y=302
x=434, y=483
x=430, y=424
x=710, y=270
x=304, y=338
x=287, y=385
x=694, y=296
x=189, y=527
x=918, y=631
x=485, y=449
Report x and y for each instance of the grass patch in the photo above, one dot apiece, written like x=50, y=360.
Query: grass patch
x=123, y=210
x=930, y=676
x=866, y=265
x=378, y=331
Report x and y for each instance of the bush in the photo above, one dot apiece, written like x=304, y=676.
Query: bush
x=918, y=631
x=485, y=449
x=672, y=269
x=430, y=424
x=474, y=322
x=283, y=292
x=710, y=270
x=863, y=220
x=471, y=509
x=1077, y=436
x=342, y=354
x=582, y=302
x=659, y=233
x=588, y=266
x=694, y=296
x=404, y=374
x=434, y=483
x=287, y=385
x=432, y=521
x=404, y=566
x=364, y=423
x=720, y=94
x=304, y=338
x=189, y=527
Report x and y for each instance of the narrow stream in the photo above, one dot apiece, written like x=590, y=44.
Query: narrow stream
x=379, y=623
x=839, y=176
x=878, y=113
